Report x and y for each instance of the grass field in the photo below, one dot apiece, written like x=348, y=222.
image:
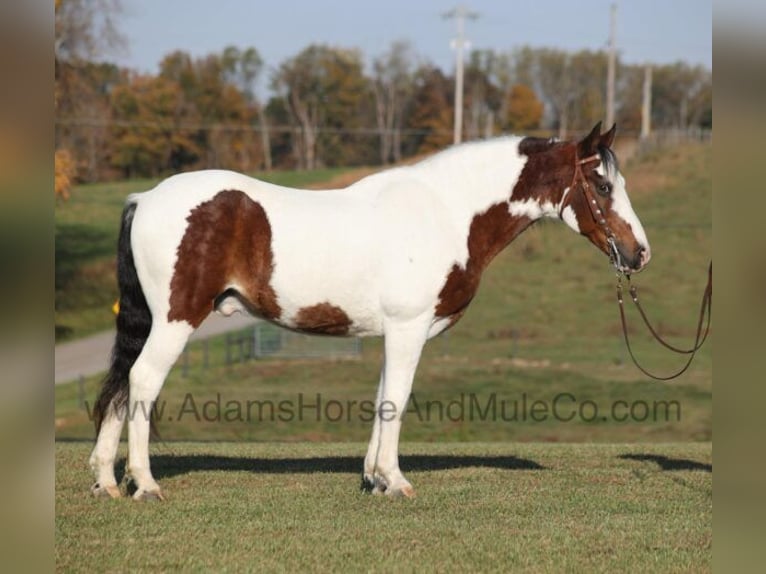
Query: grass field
x=480, y=507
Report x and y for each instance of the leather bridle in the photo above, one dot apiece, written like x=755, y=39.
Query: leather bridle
x=598, y=215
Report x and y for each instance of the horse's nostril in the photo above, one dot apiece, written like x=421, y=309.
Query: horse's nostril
x=644, y=255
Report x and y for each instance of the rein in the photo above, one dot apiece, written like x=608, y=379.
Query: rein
x=706, y=307
x=614, y=257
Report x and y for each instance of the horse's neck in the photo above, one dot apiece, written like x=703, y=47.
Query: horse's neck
x=472, y=177
x=476, y=182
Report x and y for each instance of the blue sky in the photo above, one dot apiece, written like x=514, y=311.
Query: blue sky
x=659, y=31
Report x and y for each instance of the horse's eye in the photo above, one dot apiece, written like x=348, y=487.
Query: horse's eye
x=605, y=188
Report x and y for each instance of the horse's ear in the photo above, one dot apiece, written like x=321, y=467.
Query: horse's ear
x=608, y=138
x=589, y=144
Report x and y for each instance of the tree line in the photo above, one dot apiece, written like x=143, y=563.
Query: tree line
x=325, y=107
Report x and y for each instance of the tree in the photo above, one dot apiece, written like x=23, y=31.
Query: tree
x=484, y=97
x=85, y=30
x=525, y=111
x=431, y=114
x=64, y=173
x=681, y=95
x=242, y=69
x=556, y=84
x=392, y=85
x=573, y=85
x=218, y=92
x=588, y=71
x=325, y=87
x=148, y=137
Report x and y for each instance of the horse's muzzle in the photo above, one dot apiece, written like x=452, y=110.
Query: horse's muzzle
x=640, y=258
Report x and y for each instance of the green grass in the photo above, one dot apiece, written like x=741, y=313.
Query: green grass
x=480, y=507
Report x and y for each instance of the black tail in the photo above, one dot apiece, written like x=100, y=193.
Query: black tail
x=134, y=321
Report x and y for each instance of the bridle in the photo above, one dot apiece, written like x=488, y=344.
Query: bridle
x=598, y=215
x=579, y=180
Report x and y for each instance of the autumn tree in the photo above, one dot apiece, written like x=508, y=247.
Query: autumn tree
x=218, y=95
x=431, y=114
x=85, y=30
x=148, y=135
x=524, y=109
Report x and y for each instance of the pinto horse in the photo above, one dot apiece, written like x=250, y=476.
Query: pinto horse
x=398, y=254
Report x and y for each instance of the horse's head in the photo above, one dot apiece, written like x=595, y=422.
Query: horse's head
x=596, y=203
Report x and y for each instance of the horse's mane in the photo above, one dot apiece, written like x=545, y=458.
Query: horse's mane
x=534, y=145
x=531, y=145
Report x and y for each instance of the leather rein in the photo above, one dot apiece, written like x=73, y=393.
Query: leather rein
x=706, y=305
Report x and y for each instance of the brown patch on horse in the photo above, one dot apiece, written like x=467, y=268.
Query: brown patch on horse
x=490, y=232
x=323, y=319
x=546, y=173
x=228, y=240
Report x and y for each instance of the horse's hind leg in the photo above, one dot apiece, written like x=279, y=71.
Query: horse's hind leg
x=102, y=459
x=165, y=343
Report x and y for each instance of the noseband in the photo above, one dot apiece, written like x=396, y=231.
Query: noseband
x=595, y=210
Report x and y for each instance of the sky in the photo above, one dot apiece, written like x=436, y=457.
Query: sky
x=657, y=31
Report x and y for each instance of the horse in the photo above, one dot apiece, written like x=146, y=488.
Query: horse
x=398, y=254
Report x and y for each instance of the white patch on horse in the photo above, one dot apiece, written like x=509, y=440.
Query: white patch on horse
x=622, y=207
x=570, y=218
x=532, y=209
x=439, y=325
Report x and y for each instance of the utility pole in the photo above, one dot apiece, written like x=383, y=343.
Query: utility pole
x=646, y=104
x=611, y=67
x=460, y=13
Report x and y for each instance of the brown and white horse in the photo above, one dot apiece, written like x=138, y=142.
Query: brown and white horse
x=399, y=254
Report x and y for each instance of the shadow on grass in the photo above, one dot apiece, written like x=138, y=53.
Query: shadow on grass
x=666, y=463
x=169, y=465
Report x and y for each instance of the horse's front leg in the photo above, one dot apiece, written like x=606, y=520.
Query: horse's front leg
x=403, y=345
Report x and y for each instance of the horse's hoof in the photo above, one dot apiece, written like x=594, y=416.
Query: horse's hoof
x=110, y=491
x=379, y=485
x=368, y=484
x=148, y=496
x=405, y=491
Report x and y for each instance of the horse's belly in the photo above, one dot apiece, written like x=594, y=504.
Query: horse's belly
x=329, y=300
